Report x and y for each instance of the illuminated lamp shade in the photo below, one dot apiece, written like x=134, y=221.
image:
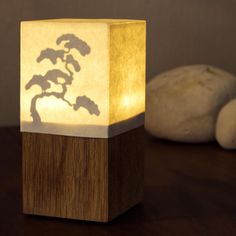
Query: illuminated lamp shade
x=82, y=103
x=82, y=78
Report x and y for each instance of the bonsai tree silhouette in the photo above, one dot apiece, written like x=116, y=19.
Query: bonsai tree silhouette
x=59, y=77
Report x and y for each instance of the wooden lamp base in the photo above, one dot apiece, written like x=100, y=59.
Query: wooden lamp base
x=93, y=179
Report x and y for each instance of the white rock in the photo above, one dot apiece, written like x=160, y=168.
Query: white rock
x=183, y=104
x=226, y=126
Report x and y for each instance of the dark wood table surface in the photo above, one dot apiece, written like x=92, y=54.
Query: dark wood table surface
x=189, y=190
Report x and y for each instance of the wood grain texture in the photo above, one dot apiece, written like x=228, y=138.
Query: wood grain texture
x=82, y=178
x=125, y=171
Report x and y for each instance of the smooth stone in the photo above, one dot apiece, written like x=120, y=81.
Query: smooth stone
x=226, y=126
x=183, y=104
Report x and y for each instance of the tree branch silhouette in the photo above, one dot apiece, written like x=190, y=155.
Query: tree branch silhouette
x=55, y=76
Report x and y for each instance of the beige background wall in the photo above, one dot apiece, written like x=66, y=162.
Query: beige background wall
x=179, y=32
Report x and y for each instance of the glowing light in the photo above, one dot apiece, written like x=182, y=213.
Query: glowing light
x=78, y=72
x=126, y=101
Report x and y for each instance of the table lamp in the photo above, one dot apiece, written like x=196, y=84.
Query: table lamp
x=81, y=113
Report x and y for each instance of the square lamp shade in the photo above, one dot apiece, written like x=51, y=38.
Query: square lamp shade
x=82, y=78
x=82, y=103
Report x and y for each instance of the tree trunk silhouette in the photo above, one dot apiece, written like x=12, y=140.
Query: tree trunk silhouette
x=33, y=108
x=34, y=113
